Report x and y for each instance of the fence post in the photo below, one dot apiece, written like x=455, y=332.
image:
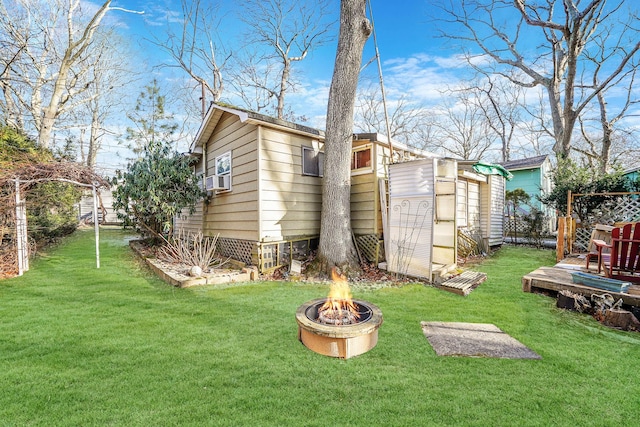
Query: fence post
x=560, y=239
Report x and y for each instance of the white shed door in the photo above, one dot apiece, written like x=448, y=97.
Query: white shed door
x=411, y=202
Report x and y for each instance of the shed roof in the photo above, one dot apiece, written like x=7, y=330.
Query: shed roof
x=528, y=163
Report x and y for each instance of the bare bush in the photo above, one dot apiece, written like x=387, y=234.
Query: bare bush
x=191, y=249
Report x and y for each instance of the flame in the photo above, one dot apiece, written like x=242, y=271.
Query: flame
x=339, y=297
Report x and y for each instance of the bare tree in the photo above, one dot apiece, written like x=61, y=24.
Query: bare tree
x=599, y=137
x=504, y=31
x=408, y=121
x=197, y=49
x=252, y=80
x=462, y=127
x=336, y=246
x=110, y=76
x=288, y=30
x=55, y=38
x=500, y=104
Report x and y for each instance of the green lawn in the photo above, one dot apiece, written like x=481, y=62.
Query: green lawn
x=116, y=346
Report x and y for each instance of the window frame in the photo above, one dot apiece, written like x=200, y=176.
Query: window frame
x=319, y=159
x=363, y=169
x=221, y=169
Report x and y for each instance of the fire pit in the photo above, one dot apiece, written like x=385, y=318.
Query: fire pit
x=338, y=332
x=338, y=326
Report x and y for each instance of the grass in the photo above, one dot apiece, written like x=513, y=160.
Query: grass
x=116, y=346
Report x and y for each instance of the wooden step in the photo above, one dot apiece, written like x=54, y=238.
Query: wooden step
x=464, y=283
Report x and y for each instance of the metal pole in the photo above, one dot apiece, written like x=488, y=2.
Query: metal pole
x=19, y=230
x=96, y=225
x=384, y=98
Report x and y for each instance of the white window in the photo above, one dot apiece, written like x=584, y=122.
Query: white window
x=223, y=172
x=312, y=162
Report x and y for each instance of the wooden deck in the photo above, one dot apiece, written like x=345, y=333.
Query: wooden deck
x=554, y=279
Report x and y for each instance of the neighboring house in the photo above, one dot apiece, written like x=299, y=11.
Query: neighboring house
x=533, y=175
x=107, y=217
x=632, y=174
x=264, y=178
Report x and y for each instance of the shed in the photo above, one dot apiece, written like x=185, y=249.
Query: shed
x=422, y=217
x=431, y=201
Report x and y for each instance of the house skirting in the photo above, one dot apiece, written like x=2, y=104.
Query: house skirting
x=268, y=256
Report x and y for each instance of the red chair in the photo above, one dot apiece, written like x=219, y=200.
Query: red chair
x=602, y=233
x=623, y=262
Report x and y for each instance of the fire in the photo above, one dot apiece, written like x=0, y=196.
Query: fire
x=339, y=307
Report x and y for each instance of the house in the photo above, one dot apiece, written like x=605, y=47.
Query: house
x=108, y=216
x=533, y=175
x=264, y=177
x=632, y=175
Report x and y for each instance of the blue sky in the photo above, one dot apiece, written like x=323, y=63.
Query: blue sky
x=416, y=63
x=413, y=58
x=406, y=42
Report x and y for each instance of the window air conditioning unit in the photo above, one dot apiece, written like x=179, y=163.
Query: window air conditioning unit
x=218, y=182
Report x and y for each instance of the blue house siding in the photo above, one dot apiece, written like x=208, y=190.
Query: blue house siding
x=533, y=175
x=530, y=180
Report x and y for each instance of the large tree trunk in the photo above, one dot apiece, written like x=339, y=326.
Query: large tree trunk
x=336, y=244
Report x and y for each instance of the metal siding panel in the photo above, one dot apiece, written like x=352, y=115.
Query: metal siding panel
x=412, y=178
x=410, y=235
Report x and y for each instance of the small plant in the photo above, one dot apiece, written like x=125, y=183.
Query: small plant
x=534, y=222
x=191, y=249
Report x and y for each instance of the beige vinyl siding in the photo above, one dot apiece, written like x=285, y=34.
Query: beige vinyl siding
x=365, y=205
x=473, y=207
x=462, y=204
x=290, y=203
x=190, y=223
x=234, y=214
x=366, y=217
x=468, y=204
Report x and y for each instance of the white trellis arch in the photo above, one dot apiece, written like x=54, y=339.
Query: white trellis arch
x=22, y=245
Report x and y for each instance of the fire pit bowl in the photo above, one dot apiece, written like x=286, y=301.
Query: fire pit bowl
x=343, y=341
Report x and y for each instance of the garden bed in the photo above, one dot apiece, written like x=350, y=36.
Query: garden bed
x=178, y=275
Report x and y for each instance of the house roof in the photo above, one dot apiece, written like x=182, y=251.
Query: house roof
x=378, y=137
x=214, y=114
x=631, y=170
x=215, y=111
x=529, y=163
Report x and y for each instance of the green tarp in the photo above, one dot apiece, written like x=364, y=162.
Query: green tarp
x=489, y=169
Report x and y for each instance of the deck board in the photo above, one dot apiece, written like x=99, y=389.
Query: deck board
x=555, y=279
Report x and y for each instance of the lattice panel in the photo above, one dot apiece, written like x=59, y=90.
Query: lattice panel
x=371, y=248
x=519, y=224
x=620, y=209
x=280, y=254
x=241, y=250
x=581, y=244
